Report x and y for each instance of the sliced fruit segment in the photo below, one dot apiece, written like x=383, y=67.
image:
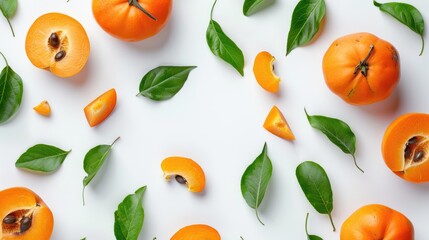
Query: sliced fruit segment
x=43, y=108
x=185, y=171
x=196, y=232
x=264, y=72
x=99, y=109
x=277, y=124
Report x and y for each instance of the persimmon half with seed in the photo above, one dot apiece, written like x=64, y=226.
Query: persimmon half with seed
x=264, y=72
x=57, y=43
x=24, y=215
x=405, y=147
x=185, y=171
x=196, y=232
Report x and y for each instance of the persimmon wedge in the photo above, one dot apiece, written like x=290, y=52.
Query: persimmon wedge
x=264, y=72
x=196, y=232
x=43, y=108
x=185, y=171
x=405, y=147
x=99, y=109
x=276, y=124
x=24, y=215
x=58, y=43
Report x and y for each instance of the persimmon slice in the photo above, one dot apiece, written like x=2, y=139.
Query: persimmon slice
x=99, y=109
x=196, y=232
x=264, y=72
x=405, y=147
x=43, y=108
x=185, y=171
x=58, y=43
x=276, y=124
x=24, y=215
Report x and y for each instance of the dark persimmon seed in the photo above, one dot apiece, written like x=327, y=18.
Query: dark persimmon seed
x=419, y=156
x=407, y=152
x=60, y=55
x=412, y=140
x=180, y=179
x=9, y=219
x=25, y=224
x=54, y=40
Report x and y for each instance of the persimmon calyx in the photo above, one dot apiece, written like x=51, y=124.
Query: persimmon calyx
x=363, y=66
x=415, y=151
x=136, y=4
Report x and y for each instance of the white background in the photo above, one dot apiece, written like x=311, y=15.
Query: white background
x=216, y=119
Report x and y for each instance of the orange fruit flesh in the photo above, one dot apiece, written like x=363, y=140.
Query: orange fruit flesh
x=396, y=141
x=73, y=40
x=187, y=169
x=196, y=232
x=43, y=108
x=277, y=124
x=99, y=109
x=264, y=72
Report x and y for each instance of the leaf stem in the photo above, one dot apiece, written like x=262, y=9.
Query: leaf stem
x=7, y=64
x=376, y=3
x=83, y=195
x=211, y=12
x=11, y=28
x=306, y=221
x=257, y=216
x=423, y=45
x=363, y=65
x=354, y=160
x=241, y=238
x=136, y=4
x=113, y=143
x=332, y=222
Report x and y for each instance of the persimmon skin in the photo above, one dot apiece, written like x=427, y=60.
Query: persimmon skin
x=196, y=232
x=73, y=40
x=276, y=124
x=127, y=22
x=394, y=141
x=264, y=72
x=99, y=109
x=375, y=222
x=343, y=56
x=17, y=198
x=186, y=168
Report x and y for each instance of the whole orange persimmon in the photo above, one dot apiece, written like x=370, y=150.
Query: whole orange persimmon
x=374, y=222
x=132, y=20
x=361, y=68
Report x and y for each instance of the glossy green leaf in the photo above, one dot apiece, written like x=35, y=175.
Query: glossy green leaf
x=129, y=216
x=252, y=6
x=164, y=82
x=337, y=131
x=8, y=8
x=315, y=184
x=255, y=179
x=42, y=158
x=222, y=46
x=11, y=90
x=310, y=237
x=93, y=161
x=306, y=19
x=406, y=14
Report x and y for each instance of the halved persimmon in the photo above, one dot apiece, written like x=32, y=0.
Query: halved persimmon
x=276, y=124
x=405, y=147
x=264, y=72
x=58, y=43
x=24, y=215
x=43, y=108
x=196, y=232
x=185, y=171
x=99, y=109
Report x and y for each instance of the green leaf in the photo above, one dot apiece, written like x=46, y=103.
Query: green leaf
x=93, y=161
x=222, y=46
x=316, y=186
x=11, y=90
x=8, y=8
x=129, y=216
x=42, y=158
x=255, y=179
x=164, y=82
x=252, y=6
x=306, y=19
x=406, y=14
x=337, y=131
x=310, y=237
